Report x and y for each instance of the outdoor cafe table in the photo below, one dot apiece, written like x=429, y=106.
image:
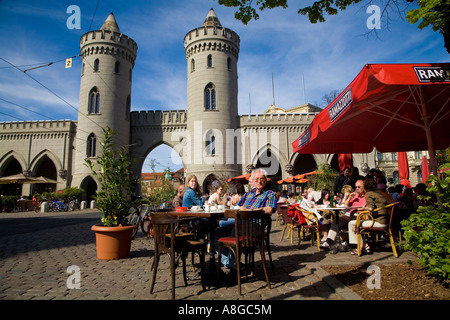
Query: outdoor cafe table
x=212, y=219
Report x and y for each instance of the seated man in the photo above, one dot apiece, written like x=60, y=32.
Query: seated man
x=258, y=198
x=356, y=199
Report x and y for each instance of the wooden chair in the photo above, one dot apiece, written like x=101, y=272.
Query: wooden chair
x=387, y=230
x=267, y=230
x=248, y=235
x=289, y=223
x=177, y=245
x=279, y=215
x=314, y=227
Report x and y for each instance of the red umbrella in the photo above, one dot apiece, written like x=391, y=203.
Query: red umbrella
x=243, y=179
x=393, y=107
x=425, y=169
x=345, y=160
x=403, y=169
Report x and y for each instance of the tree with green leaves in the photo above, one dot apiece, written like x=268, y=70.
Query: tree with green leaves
x=434, y=13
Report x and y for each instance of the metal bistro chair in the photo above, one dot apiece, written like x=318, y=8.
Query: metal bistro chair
x=249, y=234
x=290, y=223
x=178, y=245
x=387, y=230
x=314, y=226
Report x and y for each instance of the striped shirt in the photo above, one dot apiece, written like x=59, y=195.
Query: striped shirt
x=251, y=200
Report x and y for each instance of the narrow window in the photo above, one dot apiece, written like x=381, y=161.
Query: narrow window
x=210, y=97
x=94, y=101
x=128, y=108
x=192, y=65
x=117, y=67
x=229, y=63
x=96, y=65
x=91, y=145
x=209, y=62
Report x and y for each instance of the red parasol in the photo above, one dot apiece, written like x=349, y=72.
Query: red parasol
x=403, y=169
x=393, y=107
x=425, y=169
x=345, y=160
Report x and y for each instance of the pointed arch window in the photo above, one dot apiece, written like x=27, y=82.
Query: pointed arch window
x=192, y=65
x=96, y=65
x=91, y=146
x=94, y=101
x=210, y=97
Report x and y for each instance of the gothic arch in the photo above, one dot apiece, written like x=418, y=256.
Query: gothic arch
x=11, y=156
x=273, y=168
x=34, y=164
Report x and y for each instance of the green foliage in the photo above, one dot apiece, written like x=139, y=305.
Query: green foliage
x=161, y=194
x=427, y=232
x=431, y=12
x=9, y=202
x=70, y=192
x=115, y=176
x=246, y=12
x=324, y=180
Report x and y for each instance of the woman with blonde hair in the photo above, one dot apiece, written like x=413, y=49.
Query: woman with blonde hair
x=193, y=194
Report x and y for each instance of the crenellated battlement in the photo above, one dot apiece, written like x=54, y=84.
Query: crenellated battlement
x=108, y=42
x=211, y=38
x=277, y=119
x=158, y=117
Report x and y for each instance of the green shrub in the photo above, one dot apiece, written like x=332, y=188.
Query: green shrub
x=427, y=232
x=69, y=192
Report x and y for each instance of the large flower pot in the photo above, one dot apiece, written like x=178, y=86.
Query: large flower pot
x=113, y=242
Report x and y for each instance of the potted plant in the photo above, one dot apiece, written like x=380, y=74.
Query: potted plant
x=113, y=171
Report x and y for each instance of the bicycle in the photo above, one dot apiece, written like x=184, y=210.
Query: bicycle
x=74, y=204
x=57, y=206
x=137, y=218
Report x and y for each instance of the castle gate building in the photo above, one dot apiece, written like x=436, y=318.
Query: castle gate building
x=211, y=138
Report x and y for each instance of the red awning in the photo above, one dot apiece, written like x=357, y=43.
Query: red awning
x=393, y=107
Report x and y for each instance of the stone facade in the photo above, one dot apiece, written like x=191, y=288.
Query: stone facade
x=211, y=138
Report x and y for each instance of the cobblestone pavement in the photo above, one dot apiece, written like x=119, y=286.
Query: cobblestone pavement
x=36, y=250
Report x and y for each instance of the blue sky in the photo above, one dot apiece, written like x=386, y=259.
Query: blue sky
x=326, y=55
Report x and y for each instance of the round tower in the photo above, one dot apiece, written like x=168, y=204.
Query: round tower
x=212, y=53
x=108, y=59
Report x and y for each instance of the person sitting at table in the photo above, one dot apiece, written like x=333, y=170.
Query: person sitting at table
x=216, y=198
x=374, y=199
x=237, y=195
x=356, y=199
x=259, y=197
x=324, y=198
x=178, y=200
x=193, y=195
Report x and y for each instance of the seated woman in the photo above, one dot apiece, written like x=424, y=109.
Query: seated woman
x=324, y=198
x=193, y=195
x=236, y=197
x=217, y=196
x=374, y=199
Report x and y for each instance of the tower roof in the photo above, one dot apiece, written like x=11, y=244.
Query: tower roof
x=211, y=19
x=110, y=24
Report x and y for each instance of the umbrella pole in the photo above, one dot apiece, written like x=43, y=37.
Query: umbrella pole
x=431, y=151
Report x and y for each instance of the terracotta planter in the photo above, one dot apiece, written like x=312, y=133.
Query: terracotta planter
x=113, y=243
